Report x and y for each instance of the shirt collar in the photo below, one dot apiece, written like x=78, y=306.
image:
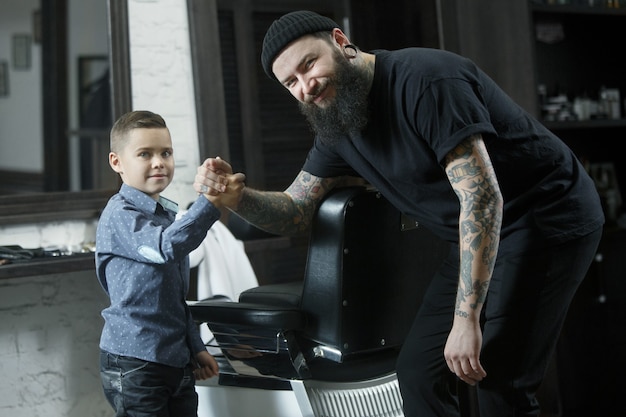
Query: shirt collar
x=142, y=199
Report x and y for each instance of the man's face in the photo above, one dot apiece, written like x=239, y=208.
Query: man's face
x=304, y=68
x=331, y=91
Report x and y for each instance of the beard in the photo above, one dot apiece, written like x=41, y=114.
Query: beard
x=347, y=114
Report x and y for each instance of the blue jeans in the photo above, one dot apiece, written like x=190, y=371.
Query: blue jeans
x=136, y=388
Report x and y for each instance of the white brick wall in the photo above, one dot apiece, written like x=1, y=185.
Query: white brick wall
x=162, y=82
x=49, y=332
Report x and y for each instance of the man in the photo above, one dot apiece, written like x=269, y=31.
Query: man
x=444, y=144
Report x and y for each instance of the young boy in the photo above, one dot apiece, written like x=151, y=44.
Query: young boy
x=151, y=350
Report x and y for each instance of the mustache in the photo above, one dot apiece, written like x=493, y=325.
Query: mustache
x=309, y=98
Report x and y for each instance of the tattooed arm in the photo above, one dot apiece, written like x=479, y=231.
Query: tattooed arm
x=473, y=179
x=284, y=213
x=289, y=212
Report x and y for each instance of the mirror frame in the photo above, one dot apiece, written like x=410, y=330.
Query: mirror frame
x=119, y=58
x=79, y=205
x=204, y=42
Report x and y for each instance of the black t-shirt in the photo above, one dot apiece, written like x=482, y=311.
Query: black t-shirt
x=423, y=103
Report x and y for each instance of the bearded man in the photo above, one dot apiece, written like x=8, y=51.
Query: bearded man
x=449, y=148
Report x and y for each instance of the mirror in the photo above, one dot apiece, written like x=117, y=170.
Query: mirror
x=63, y=124
x=56, y=100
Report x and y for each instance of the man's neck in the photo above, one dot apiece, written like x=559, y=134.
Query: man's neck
x=368, y=62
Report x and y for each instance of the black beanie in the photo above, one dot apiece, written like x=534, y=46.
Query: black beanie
x=287, y=29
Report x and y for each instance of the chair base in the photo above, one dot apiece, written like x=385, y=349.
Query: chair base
x=379, y=397
x=374, y=397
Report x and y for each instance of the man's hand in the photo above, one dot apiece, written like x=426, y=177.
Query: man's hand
x=231, y=195
x=212, y=176
x=462, y=351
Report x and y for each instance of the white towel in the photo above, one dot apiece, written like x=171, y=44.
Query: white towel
x=223, y=270
x=223, y=266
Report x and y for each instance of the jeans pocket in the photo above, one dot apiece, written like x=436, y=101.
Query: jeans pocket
x=129, y=365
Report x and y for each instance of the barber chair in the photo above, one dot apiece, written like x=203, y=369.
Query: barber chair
x=334, y=336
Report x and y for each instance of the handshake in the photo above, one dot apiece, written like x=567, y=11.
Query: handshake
x=216, y=181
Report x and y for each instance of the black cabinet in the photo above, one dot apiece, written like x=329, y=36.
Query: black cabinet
x=581, y=85
x=577, y=50
x=590, y=355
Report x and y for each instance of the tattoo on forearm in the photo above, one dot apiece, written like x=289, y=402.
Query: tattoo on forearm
x=463, y=171
x=479, y=221
x=285, y=213
x=269, y=211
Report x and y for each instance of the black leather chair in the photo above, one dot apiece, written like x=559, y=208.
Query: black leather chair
x=334, y=336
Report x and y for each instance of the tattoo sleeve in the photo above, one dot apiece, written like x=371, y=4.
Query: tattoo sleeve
x=289, y=212
x=474, y=181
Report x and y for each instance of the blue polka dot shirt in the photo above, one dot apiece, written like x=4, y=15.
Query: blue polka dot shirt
x=142, y=263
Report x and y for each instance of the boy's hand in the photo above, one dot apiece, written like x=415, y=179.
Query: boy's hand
x=207, y=366
x=231, y=195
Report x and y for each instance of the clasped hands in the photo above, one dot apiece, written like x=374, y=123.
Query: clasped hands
x=216, y=181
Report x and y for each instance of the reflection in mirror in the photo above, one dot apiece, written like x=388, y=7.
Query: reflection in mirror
x=47, y=117
x=21, y=152
x=91, y=169
x=55, y=117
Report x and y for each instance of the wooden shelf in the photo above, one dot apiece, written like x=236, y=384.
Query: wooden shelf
x=578, y=9
x=48, y=265
x=586, y=124
x=52, y=206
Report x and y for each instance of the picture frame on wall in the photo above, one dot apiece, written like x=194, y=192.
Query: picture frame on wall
x=22, y=51
x=93, y=74
x=4, y=79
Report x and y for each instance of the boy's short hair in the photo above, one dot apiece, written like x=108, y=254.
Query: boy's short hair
x=138, y=119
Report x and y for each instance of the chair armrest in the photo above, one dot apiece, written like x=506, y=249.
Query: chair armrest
x=248, y=314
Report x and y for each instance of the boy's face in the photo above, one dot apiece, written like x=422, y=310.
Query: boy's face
x=146, y=162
